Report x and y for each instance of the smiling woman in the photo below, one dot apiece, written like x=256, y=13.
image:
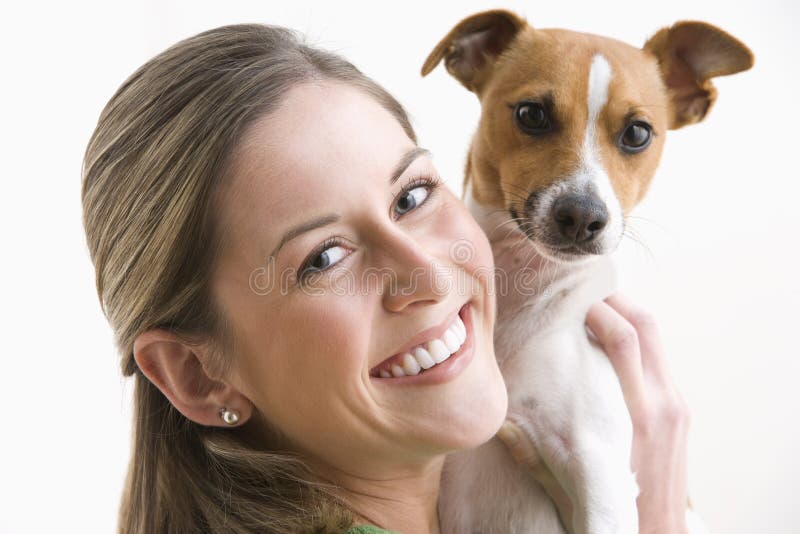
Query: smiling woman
x=267, y=411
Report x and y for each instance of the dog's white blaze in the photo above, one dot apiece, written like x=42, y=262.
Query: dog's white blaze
x=599, y=80
x=591, y=167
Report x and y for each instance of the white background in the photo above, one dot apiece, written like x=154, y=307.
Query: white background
x=720, y=223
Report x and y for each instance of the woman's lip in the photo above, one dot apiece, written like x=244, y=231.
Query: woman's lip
x=448, y=369
x=435, y=332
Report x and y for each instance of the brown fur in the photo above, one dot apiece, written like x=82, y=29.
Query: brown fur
x=667, y=83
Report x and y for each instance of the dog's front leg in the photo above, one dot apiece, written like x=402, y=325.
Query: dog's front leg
x=575, y=414
x=594, y=471
x=607, y=490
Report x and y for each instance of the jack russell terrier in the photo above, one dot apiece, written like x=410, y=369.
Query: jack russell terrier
x=570, y=135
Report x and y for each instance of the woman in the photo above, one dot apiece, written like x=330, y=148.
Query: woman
x=266, y=234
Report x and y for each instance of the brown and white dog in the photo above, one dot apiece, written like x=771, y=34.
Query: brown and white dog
x=570, y=135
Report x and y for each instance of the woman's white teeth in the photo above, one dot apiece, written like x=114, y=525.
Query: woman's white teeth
x=451, y=341
x=410, y=365
x=429, y=354
x=438, y=350
x=423, y=357
x=459, y=329
x=397, y=371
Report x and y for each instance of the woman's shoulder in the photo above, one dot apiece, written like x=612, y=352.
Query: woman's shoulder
x=369, y=529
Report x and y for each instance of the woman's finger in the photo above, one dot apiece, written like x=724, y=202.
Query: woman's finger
x=526, y=456
x=653, y=357
x=621, y=343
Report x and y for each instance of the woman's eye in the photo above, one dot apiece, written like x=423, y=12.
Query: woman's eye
x=410, y=199
x=326, y=258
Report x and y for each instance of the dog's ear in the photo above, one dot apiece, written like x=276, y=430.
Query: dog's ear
x=473, y=44
x=689, y=54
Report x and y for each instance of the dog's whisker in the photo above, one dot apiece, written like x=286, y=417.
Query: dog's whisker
x=633, y=235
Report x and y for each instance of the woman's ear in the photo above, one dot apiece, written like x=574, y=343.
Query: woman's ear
x=177, y=370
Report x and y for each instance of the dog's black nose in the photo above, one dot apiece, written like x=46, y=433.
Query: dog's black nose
x=580, y=217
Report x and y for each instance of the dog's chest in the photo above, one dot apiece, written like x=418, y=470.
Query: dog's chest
x=537, y=297
x=562, y=389
x=541, y=341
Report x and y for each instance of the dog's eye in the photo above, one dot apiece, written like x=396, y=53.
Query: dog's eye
x=532, y=117
x=636, y=136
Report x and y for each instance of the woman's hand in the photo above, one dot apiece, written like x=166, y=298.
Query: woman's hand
x=659, y=414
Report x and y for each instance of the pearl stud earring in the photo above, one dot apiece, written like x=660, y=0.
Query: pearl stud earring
x=229, y=416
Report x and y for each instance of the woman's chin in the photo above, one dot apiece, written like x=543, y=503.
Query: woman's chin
x=481, y=410
x=476, y=422
x=461, y=414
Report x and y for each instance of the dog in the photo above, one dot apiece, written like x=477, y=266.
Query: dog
x=571, y=131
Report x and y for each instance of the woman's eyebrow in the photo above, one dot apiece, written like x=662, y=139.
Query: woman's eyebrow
x=406, y=160
x=302, y=228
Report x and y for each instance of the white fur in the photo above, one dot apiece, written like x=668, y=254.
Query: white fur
x=591, y=170
x=564, y=393
x=597, y=94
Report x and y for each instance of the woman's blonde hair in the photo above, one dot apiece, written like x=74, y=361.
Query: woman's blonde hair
x=152, y=176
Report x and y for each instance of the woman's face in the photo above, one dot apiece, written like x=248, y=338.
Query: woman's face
x=344, y=253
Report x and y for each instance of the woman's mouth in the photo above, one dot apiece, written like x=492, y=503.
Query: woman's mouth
x=435, y=358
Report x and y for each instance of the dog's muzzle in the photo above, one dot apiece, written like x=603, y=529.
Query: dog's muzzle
x=579, y=217
x=572, y=225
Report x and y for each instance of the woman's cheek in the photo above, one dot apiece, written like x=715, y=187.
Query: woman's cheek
x=322, y=349
x=332, y=337
x=476, y=256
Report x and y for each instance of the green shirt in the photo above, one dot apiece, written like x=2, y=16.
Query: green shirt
x=369, y=529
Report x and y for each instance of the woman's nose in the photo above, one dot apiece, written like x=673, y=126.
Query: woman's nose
x=413, y=274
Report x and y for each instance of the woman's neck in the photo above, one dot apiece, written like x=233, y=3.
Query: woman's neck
x=402, y=502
